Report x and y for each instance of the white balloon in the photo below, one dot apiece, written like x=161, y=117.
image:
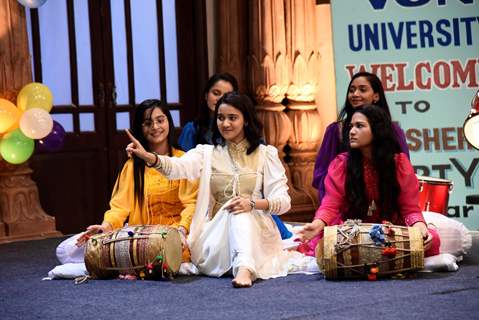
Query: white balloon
x=32, y=3
x=36, y=123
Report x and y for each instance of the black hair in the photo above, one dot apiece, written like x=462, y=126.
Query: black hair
x=203, y=120
x=347, y=111
x=143, y=112
x=384, y=148
x=252, y=126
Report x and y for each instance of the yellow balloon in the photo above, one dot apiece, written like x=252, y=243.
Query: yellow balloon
x=9, y=115
x=35, y=95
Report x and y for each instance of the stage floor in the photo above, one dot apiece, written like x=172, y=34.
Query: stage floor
x=23, y=295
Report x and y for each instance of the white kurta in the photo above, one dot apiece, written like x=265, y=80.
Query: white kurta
x=221, y=241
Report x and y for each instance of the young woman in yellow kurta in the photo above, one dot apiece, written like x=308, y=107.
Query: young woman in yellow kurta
x=167, y=202
x=142, y=195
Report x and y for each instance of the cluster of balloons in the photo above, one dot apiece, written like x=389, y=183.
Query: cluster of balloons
x=32, y=3
x=29, y=120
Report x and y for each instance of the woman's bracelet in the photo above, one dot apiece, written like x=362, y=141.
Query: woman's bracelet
x=182, y=230
x=156, y=161
x=252, y=203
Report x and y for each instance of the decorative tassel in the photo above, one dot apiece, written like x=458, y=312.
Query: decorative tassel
x=371, y=208
x=389, y=252
x=377, y=234
x=373, y=271
x=82, y=279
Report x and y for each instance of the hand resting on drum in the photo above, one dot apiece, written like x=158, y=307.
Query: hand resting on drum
x=311, y=230
x=426, y=235
x=91, y=230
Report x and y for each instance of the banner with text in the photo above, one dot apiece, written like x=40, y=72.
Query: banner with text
x=426, y=53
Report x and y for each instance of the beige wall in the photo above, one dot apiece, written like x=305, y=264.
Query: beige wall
x=326, y=96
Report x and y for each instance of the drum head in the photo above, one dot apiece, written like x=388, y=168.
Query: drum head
x=433, y=180
x=173, y=250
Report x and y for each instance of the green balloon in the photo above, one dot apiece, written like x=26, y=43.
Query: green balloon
x=15, y=147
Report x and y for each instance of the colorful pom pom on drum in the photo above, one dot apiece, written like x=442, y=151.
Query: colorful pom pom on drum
x=377, y=234
x=373, y=271
x=389, y=252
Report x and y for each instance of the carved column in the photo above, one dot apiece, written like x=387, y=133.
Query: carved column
x=270, y=75
x=303, y=51
x=21, y=216
x=282, y=62
x=232, y=39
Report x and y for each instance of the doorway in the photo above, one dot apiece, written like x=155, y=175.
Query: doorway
x=100, y=58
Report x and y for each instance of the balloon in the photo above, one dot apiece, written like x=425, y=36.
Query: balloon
x=15, y=147
x=55, y=139
x=32, y=3
x=15, y=126
x=36, y=123
x=35, y=95
x=9, y=115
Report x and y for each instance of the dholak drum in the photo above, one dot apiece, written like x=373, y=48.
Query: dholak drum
x=434, y=194
x=149, y=251
x=348, y=251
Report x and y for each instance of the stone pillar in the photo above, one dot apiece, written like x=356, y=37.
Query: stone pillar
x=270, y=74
x=303, y=51
x=21, y=216
x=282, y=73
x=232, y=39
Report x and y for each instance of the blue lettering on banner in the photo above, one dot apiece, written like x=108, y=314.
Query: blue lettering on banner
x=414, y=34
x=380, y=4
x=441, y=26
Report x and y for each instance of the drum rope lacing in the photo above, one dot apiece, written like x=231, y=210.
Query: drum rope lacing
x=348, y=235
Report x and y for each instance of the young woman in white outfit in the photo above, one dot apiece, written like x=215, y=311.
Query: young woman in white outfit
x=241, y=183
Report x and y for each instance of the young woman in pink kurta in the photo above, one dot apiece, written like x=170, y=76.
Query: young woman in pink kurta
x=373, y=182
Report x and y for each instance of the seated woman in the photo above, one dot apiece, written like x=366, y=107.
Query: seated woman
x=373, y=182
x=364, y=88
x=200, y=131
x=241, y=183
x=142, y=195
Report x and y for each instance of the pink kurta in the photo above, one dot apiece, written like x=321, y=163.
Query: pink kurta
x=334, y=203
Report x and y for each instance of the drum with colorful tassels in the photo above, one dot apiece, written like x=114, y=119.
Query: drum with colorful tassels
x=368, y=251
x=148, y=251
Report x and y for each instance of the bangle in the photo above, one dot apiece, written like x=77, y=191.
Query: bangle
x=252, y=203
x=154, y=163
x=182, y=230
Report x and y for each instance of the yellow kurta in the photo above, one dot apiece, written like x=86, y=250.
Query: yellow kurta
x=167, y=202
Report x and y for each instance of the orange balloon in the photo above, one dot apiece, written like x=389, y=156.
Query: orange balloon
x=15, y=126
x=9, y=115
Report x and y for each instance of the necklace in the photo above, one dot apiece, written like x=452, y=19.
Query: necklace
x=371, y=208
x=235, y=180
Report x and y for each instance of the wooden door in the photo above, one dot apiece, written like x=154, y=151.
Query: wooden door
x=99, y=63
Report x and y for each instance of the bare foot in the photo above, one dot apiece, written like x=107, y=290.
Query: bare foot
x=243, y=278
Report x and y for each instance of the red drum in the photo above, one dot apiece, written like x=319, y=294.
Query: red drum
x=434, y=194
